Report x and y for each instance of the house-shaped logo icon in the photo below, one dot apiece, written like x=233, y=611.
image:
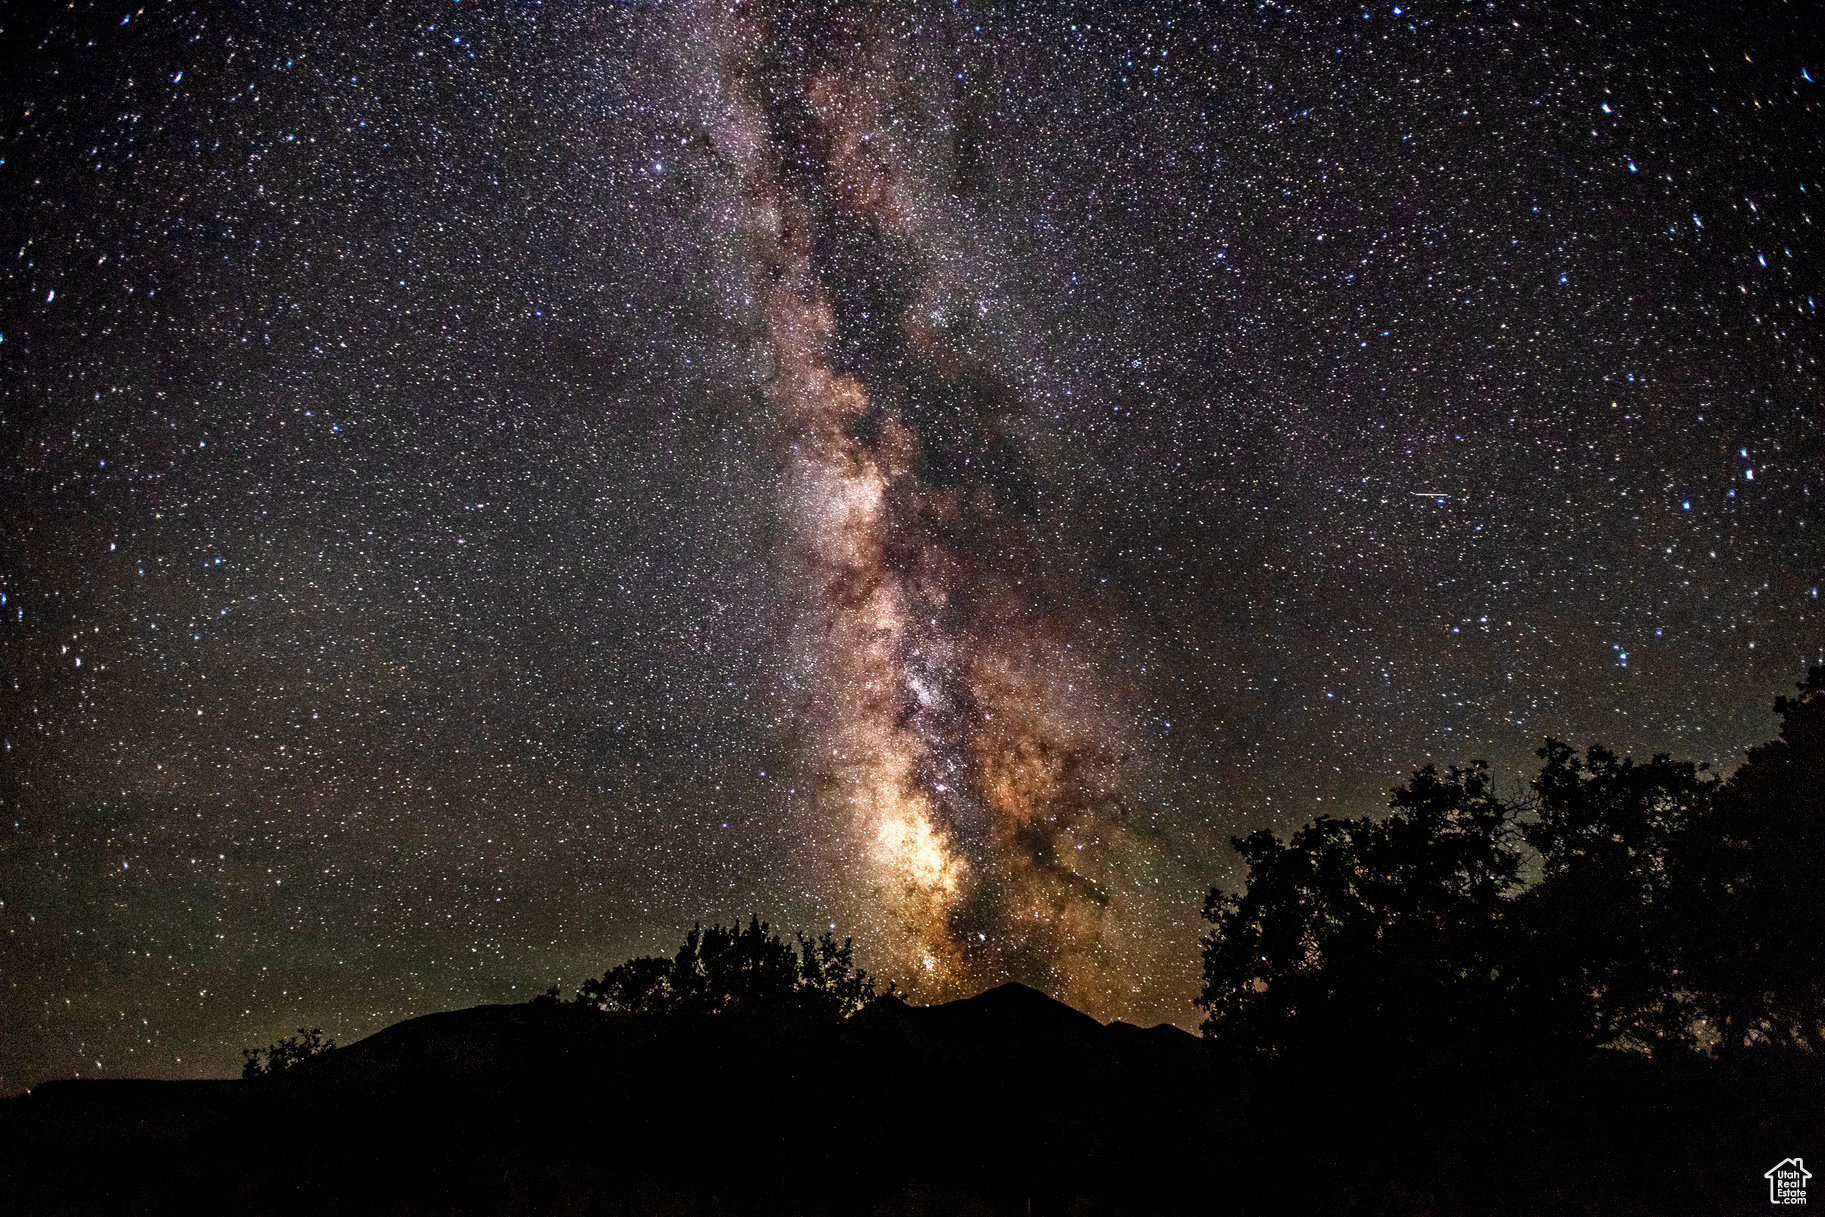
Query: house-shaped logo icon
x=1787, y=1182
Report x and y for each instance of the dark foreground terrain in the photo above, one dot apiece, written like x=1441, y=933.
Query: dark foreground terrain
x=1006, y=1103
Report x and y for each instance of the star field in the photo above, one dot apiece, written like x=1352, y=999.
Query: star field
x=489, y=485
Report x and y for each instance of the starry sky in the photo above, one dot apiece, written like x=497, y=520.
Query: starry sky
x=486, y=485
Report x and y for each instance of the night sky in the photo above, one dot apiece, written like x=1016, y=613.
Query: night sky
x=487, y=485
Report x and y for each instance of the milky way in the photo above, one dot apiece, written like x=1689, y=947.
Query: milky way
x=485, y=486
x=957, y=708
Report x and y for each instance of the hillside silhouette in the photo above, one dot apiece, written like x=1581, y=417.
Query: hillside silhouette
x=1600, y=995
x=555, y=1106
x=1003, y=1103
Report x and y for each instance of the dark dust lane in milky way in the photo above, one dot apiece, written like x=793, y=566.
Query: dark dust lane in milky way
x=964, y=737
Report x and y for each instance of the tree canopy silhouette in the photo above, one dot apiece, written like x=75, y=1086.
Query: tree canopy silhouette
x=281, y=1055
x=1633, y=904
x=739, y=971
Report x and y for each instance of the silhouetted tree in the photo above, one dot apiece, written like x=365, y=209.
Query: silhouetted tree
x=738, y=971
x=281, y=1055
x=1386, y=922
x=1760, y=875
x=1604, y=936
x=1662, y=908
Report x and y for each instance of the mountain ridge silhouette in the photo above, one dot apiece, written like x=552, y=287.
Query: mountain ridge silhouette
x=1007, y=1102
x=1035, y=1082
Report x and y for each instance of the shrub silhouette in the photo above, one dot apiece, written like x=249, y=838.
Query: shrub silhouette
x=281, y=1055
x=738, y=971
